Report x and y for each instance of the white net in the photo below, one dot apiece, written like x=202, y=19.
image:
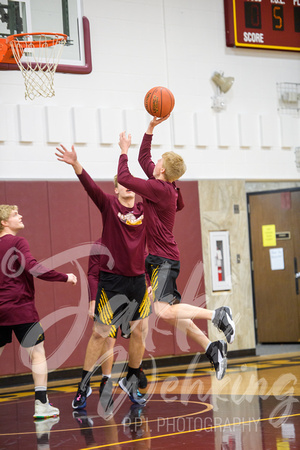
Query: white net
x=37, y=57
x=289, y=97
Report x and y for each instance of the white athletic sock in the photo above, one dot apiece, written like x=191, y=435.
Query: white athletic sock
x=40, y=388
x=108, y=376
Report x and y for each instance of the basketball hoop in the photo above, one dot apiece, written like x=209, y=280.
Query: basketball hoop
x=37, y=55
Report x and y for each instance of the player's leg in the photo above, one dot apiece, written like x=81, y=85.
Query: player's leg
x=105, y=307
x=107, y=357
x=108, y=354
x=221, y=317
x=178, y=311
x=31, y=337
x=95, y=345
x=42, y=406
x=130, y=383
x=143, y=382
x=38, y=364
x=163, y=274
x=137, y=344
x=93, y=351
x=215, y=351
x=139, y=328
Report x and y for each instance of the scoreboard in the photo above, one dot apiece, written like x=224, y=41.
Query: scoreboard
x=265, y=24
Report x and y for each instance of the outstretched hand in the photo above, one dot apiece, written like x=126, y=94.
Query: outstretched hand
x=154, y=122
x=157, y=120
x=64, y=155
x=124, y=142
x=69, y=157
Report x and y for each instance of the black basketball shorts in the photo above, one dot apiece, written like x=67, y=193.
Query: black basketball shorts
x=163, y=273
x=121, y=300
x=28, y=334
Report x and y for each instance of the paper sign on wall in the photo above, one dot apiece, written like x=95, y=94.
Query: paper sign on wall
x=269, y=235
x=276, y=258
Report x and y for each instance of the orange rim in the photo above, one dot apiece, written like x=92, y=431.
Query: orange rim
x=13, y=39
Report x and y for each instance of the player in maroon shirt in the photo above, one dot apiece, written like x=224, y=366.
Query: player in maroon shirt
x=122, y=297
x=107, y=354
x=161, y=198
x=17, y=309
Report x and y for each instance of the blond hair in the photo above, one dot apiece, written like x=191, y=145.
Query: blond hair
x=116, y=181
x=174, y=166
x=5, y=212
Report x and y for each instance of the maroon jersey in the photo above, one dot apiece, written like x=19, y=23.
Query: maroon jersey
x=18, y=267
x=161, y=201
x=123, y=231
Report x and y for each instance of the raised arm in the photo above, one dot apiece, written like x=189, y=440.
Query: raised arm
x=145, y=159
x=93, y=190
x=137, y=185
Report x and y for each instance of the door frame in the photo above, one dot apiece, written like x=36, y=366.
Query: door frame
x=271, y=191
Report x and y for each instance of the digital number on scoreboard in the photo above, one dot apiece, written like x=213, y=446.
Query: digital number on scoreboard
x=266, y=24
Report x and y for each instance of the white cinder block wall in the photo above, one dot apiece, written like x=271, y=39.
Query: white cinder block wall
x=138, y=44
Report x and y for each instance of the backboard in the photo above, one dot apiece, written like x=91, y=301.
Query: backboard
x=55, y=16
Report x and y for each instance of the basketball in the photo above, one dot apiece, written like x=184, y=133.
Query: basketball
x=159, y=101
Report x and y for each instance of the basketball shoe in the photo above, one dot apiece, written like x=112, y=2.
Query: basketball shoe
x=131, y=388
x=142, y=378
x=216, y=353
x=44, y=410
x=79, y=401
x=223, y=321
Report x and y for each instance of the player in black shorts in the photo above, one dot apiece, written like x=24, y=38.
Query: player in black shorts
x=162, y=200
x=18, y=313
x=122, y=295
x=107, y=353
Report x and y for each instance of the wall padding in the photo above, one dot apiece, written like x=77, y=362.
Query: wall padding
x=248, y=130
x=60, y=220
x=84, y=125
x=58, y=124
x=290, y=133
x=204, y=129
x=110, y=125
x=3, y=123
x=269, y=130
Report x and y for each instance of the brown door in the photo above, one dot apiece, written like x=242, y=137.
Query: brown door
x=277, y=300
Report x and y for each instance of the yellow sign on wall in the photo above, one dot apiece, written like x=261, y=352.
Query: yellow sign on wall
x=269, y=235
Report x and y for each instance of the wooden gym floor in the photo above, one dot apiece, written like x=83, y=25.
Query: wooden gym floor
x=256, y=406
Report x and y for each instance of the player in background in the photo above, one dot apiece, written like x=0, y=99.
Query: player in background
x=18, y=313
x=161, y=200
